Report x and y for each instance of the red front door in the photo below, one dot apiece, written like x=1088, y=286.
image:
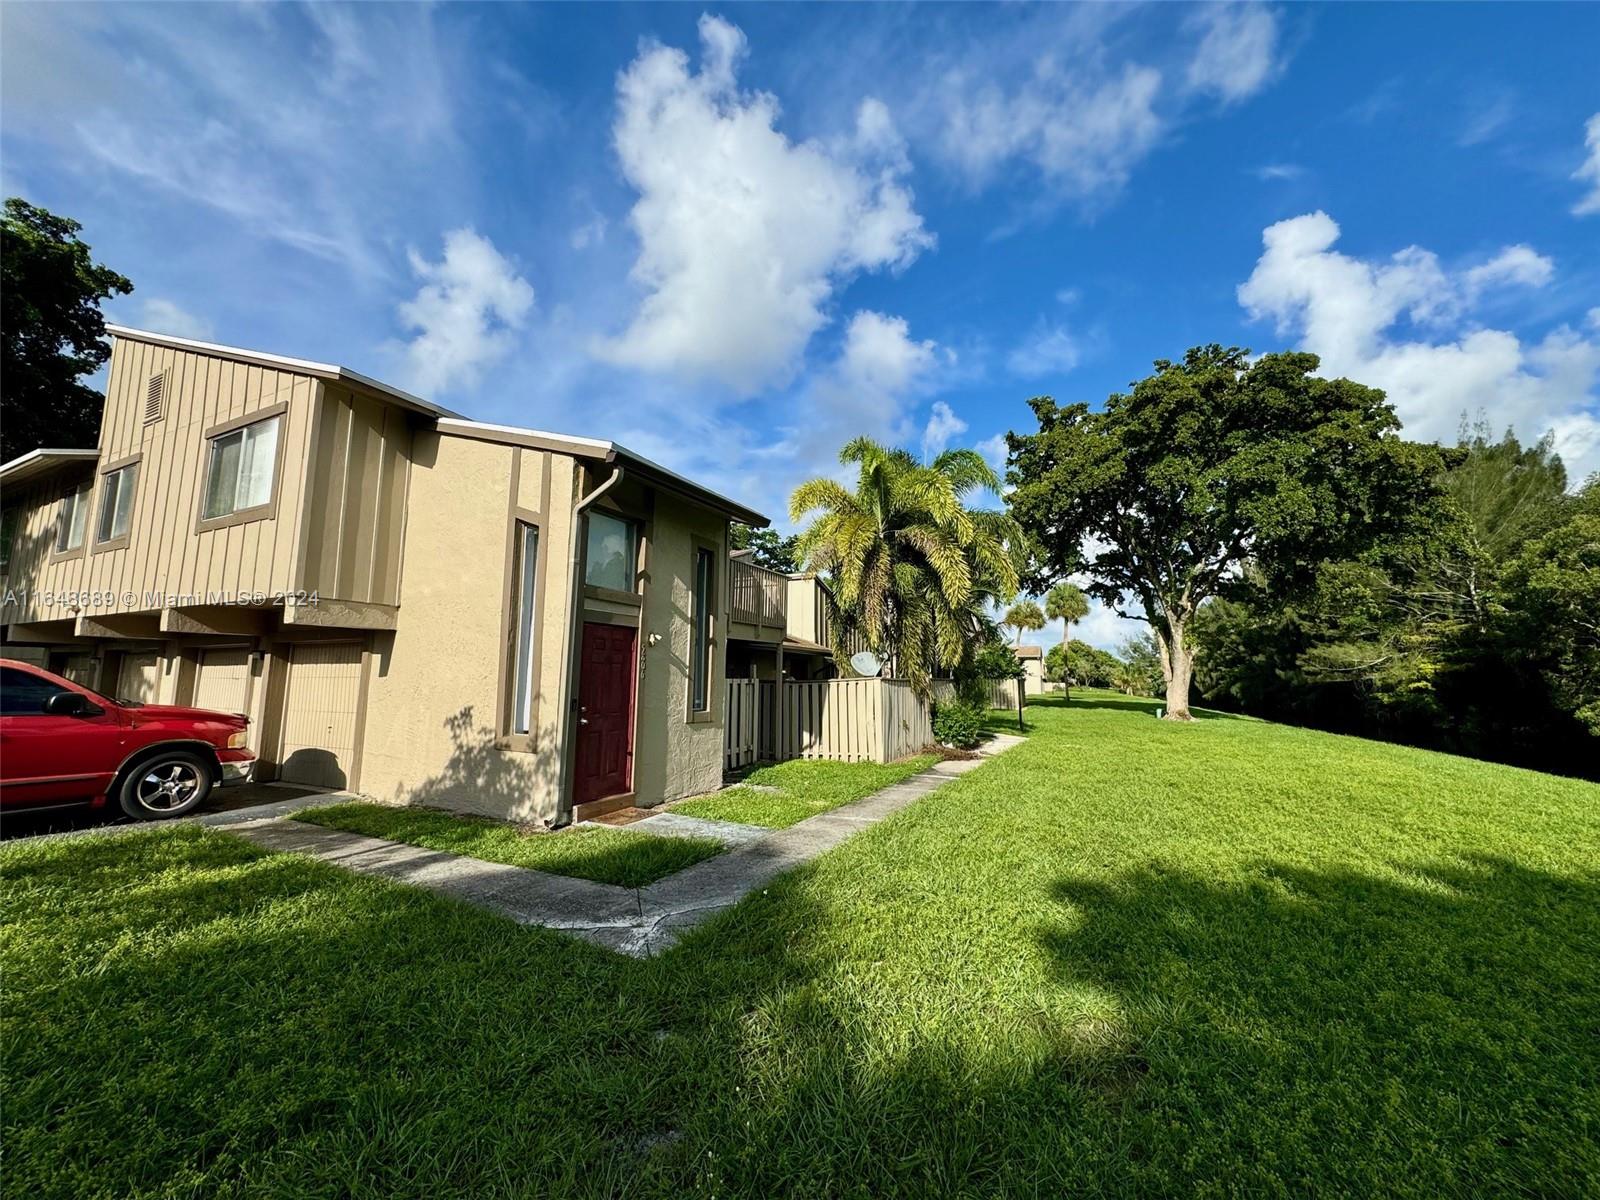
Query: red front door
x=605, y=712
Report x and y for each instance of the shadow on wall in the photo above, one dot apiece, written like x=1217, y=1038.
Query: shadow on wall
x=480, y=777
x=313, y=766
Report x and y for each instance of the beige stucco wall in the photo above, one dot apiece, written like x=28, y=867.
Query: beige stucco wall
x=432, y=723
x=673, y=756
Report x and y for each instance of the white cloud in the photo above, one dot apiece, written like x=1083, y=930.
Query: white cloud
x=1520, y=266
x=280, y=120
x=995, y=450
x=1352, y=313
x=1084, y=134
x=744, y=235
x=1047, y=350
x=463, y=315
x=163, y=316
x=1278, y=171
x=591, y=233
x=1590, y=171
x=942, y=426
x=1237, y=54
x=866, y=391
x=1487, y=118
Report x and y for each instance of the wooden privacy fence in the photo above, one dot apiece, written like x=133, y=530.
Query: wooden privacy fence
x=845, y=720
x=741, y=741
x=1002, y=693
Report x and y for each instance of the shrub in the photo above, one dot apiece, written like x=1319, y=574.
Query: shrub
x=957, y=723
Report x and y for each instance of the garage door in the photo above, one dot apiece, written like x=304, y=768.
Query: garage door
x=139, y=677
x=319, y=715
x=80, y=668
x=222, y=681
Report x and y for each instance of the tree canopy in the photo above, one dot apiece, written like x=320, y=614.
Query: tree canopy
x=1206, y=465
x=767, y=547
x=913, y=569
x=1023, y=615
x=1476, y=636
x=51, y=331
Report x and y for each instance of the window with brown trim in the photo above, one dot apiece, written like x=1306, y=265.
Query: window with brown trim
x=700, y=634
x=241, y=470
x=116, y=503
x=613, y=555
x=524, y=626
x=73, y=520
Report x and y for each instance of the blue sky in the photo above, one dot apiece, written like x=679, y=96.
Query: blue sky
x=733, y=237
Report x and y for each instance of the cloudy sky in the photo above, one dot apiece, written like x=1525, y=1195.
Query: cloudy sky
x=731, y=238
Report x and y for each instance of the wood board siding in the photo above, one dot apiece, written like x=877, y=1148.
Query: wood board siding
x=164, y=554
x=318, y=739
x=337, y=523
x=358, y=483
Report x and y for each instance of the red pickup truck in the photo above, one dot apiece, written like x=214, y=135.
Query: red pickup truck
x=61, y=743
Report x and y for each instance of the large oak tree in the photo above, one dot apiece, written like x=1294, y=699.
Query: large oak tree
x=51, y=331
x=1203, y=466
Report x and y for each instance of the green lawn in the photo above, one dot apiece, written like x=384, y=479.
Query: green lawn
x=804, y=789
x=1124, y=958
x=620, y=856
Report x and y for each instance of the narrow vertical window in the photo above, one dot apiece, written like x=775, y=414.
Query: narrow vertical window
x=700, y=650
x=116, y=503
x=524, y=628
x=74, y=517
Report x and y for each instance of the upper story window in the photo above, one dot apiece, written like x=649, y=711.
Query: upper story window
x=240, y=472
x=613, y=552
x=73, y=521
x=116, y=503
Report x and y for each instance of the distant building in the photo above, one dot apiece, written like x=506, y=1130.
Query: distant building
x=1032, y=658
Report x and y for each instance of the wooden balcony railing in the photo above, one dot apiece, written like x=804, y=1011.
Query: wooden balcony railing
x=760, y=596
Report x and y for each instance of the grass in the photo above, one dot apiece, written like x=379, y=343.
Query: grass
x=804, y=788
x=1126, y=958
x=624, y=857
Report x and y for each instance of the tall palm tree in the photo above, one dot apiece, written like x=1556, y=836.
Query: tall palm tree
x=1066, y=603
x=913, y=569
x=1024, y=614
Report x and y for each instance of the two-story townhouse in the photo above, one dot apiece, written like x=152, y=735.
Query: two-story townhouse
x=407, y=603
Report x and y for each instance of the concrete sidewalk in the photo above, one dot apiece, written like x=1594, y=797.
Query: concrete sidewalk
x=635, y=921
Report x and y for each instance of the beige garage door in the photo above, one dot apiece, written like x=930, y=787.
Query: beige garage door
x=80, y=668
x=139, y=677
x=319, y=715
x=222, y=681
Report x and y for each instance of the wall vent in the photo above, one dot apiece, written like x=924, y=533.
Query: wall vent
x=154, y=393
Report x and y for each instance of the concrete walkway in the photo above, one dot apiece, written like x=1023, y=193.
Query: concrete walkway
x=635, y=921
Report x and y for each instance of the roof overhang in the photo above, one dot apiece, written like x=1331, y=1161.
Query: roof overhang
x=331, y=372
x=605, y=452
x=454, y=424
x=1028, y=651
x=42, y=462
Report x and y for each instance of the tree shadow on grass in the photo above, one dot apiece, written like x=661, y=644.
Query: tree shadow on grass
x=1426, y=1033
x=1430, y=1030
x=183, y=1008
x=193, y=1010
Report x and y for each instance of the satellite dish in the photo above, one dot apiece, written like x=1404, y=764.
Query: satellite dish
x=866, y=663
